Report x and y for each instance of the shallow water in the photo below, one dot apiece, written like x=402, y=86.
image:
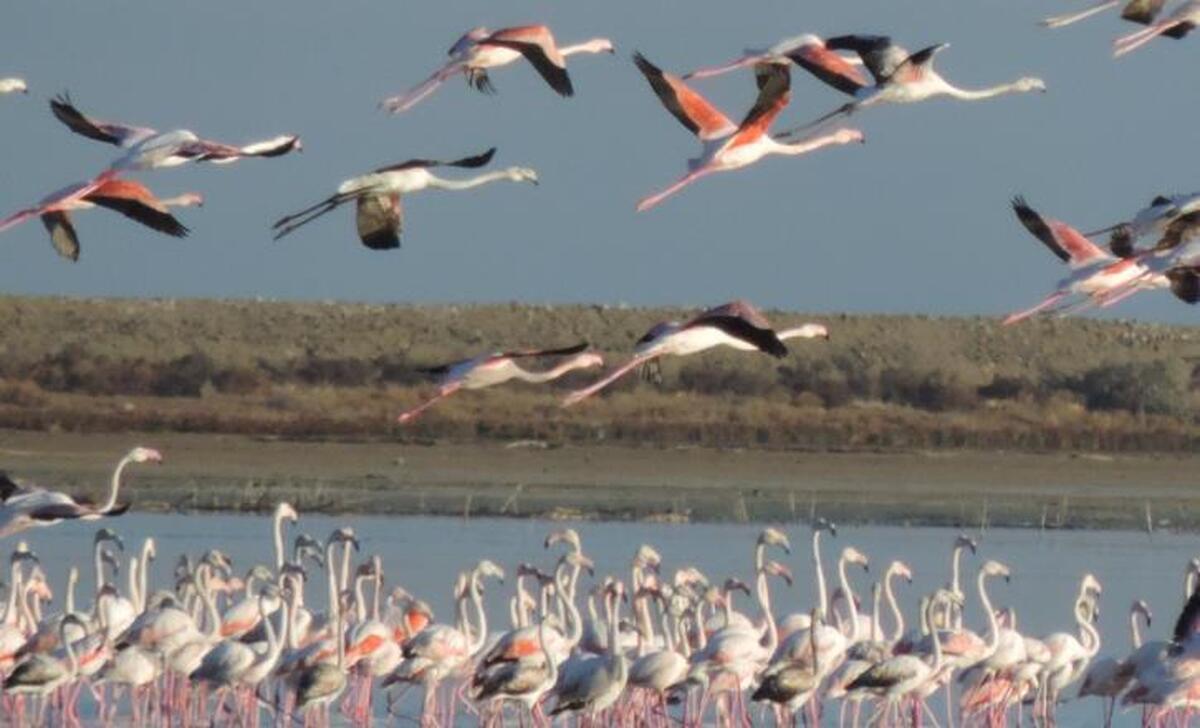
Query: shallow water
x=423, y=554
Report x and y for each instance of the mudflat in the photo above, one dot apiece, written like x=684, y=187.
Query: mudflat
x=533, y=479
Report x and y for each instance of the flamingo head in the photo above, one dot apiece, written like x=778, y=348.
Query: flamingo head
x=286, y=510
x=963, y=541
x=852, y=555
x=1144, y=608
x=732, y=584
x=487, y=567
x=23, y=553
x=581, y=561
x=1027, y=84
x=647, y=558
x=1090, y=585
x=899, y=568
x=150, y=548
x=995, y=568
x=774, y=568
x=345, y=535
x=522, y=174
x=589, y=359
x=848, y=136
x=145, y=455
x=823, y=524
x=568, y=536
x=107, y=534
x=772, y=536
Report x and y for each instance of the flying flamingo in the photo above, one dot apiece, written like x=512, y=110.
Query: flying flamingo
x=500, y=367
x=25, y=506
x=807, y=51
x=729, y=146
x=1093, y=271
x=131, y=199
x=1137, y=11
x=904, y=78
x=737, y=324
x=1168, y=218
x=480, y=49
x=1177, y=24
x=13, y=85
x=380, y=217
x=150, y=149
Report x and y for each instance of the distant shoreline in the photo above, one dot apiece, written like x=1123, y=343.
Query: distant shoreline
x=964, y=489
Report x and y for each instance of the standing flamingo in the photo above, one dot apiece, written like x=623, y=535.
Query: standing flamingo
x=904, y=78
x=132, y=199
x=729, y=146
x=379, y=217
x=480, y=49
x=499, y=367
x=1177, y=24
x=25, y=506
x=149, y=149
x=737, y=324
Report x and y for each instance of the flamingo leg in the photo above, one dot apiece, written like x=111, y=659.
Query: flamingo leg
x=1049, y=301
x=582, y=394
x=1059, y=21
x=647, y=202
x=413, y=413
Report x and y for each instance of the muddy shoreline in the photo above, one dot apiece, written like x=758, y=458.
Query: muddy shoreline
x=530, y=479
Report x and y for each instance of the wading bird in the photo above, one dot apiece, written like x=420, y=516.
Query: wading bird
x=480, y=49
x=500, y=367
x=128, y=197
x=728, y=146
x=737, y=324
x=25, y=506
x=150, y=149
x=904, y=78
x=380, y=216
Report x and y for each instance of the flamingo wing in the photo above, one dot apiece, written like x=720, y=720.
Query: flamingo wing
x=62, y=234
x=121, y=135
x=829, y=67
x=537, y=45
x=380, y=220
x=690, y=108
x=1142, y=11
x=740, y=308
x=878, y=53
x=765, y=340
x=1189, y=619
x=10, y=487
x=1185, y=284
x=136, y=202
x=913, y=68
x=1179, y=230
x=472, y=162
x=204, y=150
x=774, y=84
x=1060, y=238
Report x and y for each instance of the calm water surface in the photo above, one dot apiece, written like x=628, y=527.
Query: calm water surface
x=423, y=554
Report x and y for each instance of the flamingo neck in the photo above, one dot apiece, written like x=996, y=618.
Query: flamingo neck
x=807, y=331
x=144, y=574
x=822, y=595
x=72, y=578
x=595, y=45
x=876, y=629
x=890, y=595
x=993, y=625
x=344, y=574
x=848, y=594
x=793, y=149
x=98, y=563
x=72, y=658
x=135, y=592
x=570, y=365
x=334, y=606
x=360, y=603
x=210, y=603
x=277, y=531
x=439, y=183
x=114, y=485
x=14, y=580
x=764, y=604
x=966, y=94
x=377, y=588
x=477, y=601
x=1135, y=632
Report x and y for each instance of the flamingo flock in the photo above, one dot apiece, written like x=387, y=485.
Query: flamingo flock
x=209, y=642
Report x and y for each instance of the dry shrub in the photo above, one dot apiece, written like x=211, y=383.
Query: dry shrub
x=21, y=394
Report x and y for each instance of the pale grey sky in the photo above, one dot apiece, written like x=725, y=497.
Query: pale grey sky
x=917, y=220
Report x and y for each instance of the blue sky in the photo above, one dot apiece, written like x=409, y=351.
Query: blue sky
x=915, y=221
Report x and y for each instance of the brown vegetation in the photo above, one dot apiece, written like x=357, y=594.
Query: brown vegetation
x=313, y=369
